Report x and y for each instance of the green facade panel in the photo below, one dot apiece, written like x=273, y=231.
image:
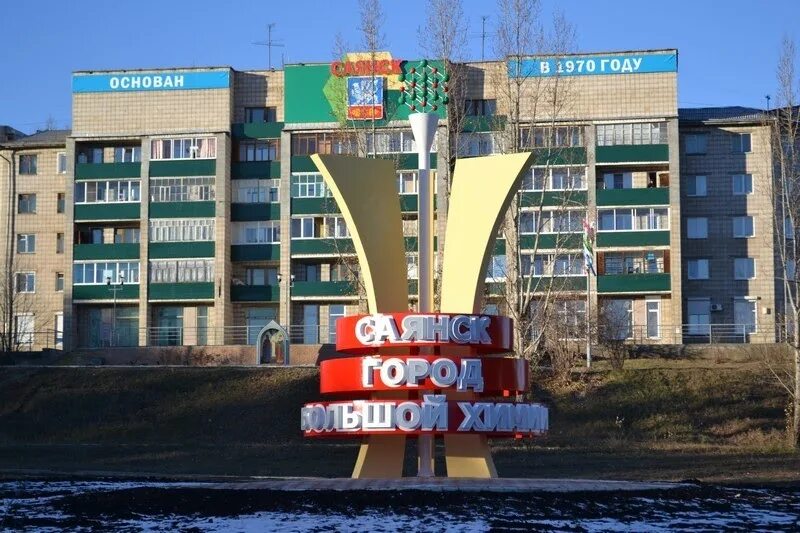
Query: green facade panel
x=105, y=251
x=409, y=203
x=107, y=212
x=323, y=288
x=573, y=155
x=257, y=130
x=551, y=241
x=314, y=206
x=542, y=284
x=180, y=250
x=88, y=171
x=322, y=246
x=499, y=247
x=182, y=209
x=129, y=291
x=246, y=212
x=632, y=238
x=255, y=252
x=256, y=170
x=554, y=198
x=181, y=291
x=183, y=167
x=483, y=124
x=628, y=283
x=303, y=163
x=251, y=293
x=633, y=153
x=624, y=197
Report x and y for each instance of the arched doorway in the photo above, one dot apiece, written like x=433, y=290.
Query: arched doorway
x=272, y=345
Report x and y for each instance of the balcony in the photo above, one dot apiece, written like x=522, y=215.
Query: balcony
x=257, y=130
x=106, y=251
x=573, y=155
x=551, y=241
x=107, y=211
x=323, y=289
x=85, y=171
x=554, y=198
x=180, y=250
x=322, y=247
x=634, y=153
x=205, y=209
x=314, y=206
x=129, y=291
x=242, y=212
x=633, y=283
x=181, y=291
x=625, y=197
x=255, y=252
x=256, y=169
x=183, y=167
x=255, y=293
x=632, y=238
x=540, y=284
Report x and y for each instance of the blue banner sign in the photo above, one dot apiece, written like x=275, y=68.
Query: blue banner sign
x=174, y=80
x=593, y=65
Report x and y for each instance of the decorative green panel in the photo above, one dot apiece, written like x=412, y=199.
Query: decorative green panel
x=183, y=167
x=88, y=171
x=182, y=291
x=413, y=286
x=244, y=212
x=482, y=124
x=324, y=288
x=632, y=238
x=633, y=283
x=257, y=130
x=542, y=284
x=182, y=209
x=619, y=197
x=555, y=198
x=634, y=153
x=575, y=155
x=256, y=170
x=303, y=163
x=409, y=203
x=551, y=241
x=129, y=291
x=314, y=206
x=173, y=250
x=106, y=251
x=107, y=212
x=252, y=293
x=322, y=246
x=255, y=252
x=499, y=247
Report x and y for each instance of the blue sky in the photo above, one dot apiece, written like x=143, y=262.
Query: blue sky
x=728, y=48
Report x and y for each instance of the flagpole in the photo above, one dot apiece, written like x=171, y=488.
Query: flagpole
x=588, y=318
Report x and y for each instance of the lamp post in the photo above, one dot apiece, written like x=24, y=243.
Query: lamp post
x=114, y=288
x=288, y=301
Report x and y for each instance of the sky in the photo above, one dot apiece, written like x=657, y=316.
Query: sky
x=728, y=49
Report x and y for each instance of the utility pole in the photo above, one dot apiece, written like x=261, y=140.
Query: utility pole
x=269, y=43
x=483, y=35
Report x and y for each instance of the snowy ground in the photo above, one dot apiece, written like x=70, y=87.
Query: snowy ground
x=144, y=506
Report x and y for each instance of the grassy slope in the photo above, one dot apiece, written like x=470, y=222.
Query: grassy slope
x=656, y=419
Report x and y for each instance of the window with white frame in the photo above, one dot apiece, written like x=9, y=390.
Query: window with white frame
x=552, y=264
x=743, y=227
x=697, y=228
x=744, y=268
x=127, y=154
x=256, y=191
x=412, y=266
x=476, y=144
x=634, y=262
x=407, y=182
x=742, y=183
x=181, y=230
x=27, y=164
x=551, y=221
x=309, y=185
x=695, y=143
x=633, y=219
x=183, y=189
x=25, y=282
x=98, y=273
x=336, y=227
x=696, y=186
x=571, y=315
x=109, y=191
x=319, y=227
x=26, y=243
x=257, y=232
x=61, y=162
x=534, y=265
x=632, y=133
x=182, y=271
x=697, y=269
x=26, y=203
x=740, y=143
x=551, y=137
x=394, y=142
x=618, y=180
x=554, y=179
x=184, y=148
x=496, y=269
x=698, y=311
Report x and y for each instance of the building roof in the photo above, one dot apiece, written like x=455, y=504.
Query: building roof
x=7, y=133
x=721, y=115
x=40, y=138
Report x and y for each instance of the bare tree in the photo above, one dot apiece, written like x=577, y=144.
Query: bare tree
x=20, y=319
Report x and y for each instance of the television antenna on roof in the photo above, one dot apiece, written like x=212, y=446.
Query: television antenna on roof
x=270, y=43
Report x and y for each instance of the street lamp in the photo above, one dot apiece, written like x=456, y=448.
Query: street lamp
x=114, y=288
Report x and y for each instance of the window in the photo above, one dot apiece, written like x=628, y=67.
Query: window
x=335, y=312
x=697, y=269
x=412, y=266
x=184, y=148
x=84, y=235
x=127, y=235
x=27, y=164
x=26, y=204
x=308, y=186
x=496, y=270
x=187, y=189
x=59, y=243
x=695, y=143
x=743, y=227
x=617, y=319
x=61, y=162
x=480, y=108
x=653, y=308
x=24, y=328
x=551, y=137
x=97, y=273
x=111, y=191
x=407, y=182
x=552, y=265
x=259, y=150
x=696, y=228
x=59, y=282
x=742, y=183
x=558, y=221
x=744, y=268
x=788, y=230
x=740, y=143
x=634, y=262
x=619, y=180
x=568, y=265
x=256, y=191
x=181, y=230
x=632, y=133
x=127, y=154
x=90, y=154
x=26, y=243
x=267, y=232
x=322, y=143
x=60, y=202
x=336, y=227
x=182, y=271
x=554, y=179
x=698, y=311
x=261, y=276
x=394, y=142
x=571, y=316
x=260, y=114
x=534, y=265
x=475, y=144
x=633, y=219
x=25, y=282
x=696, y=186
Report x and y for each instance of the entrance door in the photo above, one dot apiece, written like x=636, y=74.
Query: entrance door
x=310, y=324
x=257, y=318
x=653, y=319
x=169, y=326
x=744, y=316
x=59, y=333
x=699, y=312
